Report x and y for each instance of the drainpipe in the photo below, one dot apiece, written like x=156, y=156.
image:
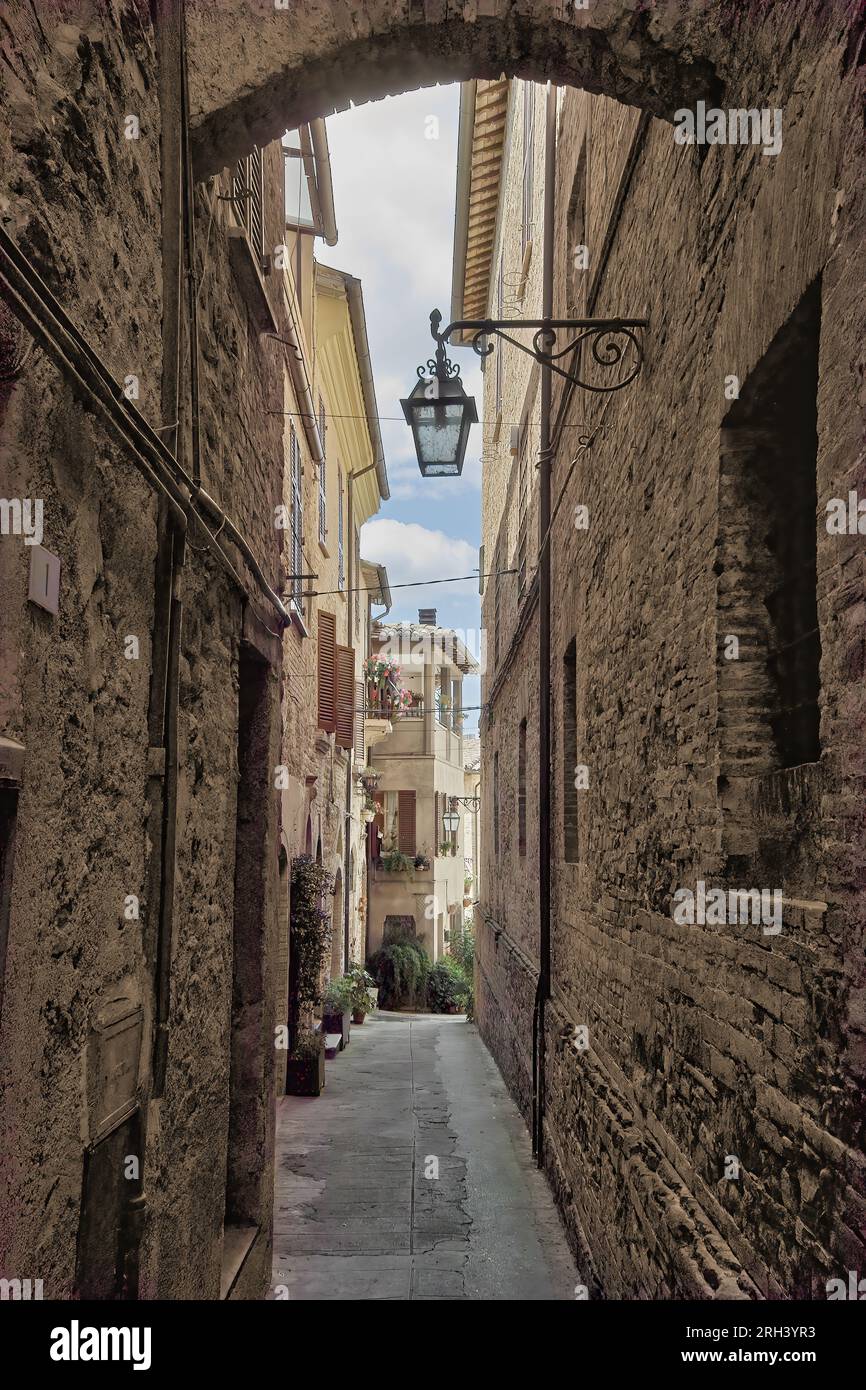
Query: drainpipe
x=544, y=471
x=188, y=223
x=350, y=613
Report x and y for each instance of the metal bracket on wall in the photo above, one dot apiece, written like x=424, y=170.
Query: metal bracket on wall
x=611, y=342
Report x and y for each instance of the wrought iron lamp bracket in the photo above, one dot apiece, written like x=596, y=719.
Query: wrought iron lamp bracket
x=608, y=340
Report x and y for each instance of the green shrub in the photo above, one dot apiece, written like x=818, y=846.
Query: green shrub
x=447, y=986
x=360, y=982
x=310, y=938
x=339, y=994
x=400, y=969
x=462, y=946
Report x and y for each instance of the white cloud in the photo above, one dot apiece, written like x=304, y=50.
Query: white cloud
x=411, y=552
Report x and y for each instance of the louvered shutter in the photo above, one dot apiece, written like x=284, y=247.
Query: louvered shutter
x=406, y=822
x=327, y=672
x=359, y=720
x=297, y=519
x=323, y=496
x=345, y=690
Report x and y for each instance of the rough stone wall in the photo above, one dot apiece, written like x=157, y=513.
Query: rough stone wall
x=507, y=926
x=84, y=204
x=294, y=63
x=704, y=1042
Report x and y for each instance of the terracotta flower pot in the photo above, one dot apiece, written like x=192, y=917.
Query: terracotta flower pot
x=358, y=1016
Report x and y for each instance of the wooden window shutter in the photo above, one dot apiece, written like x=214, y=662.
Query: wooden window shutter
x=345, y=692
x=327, y=672
x=406, y=822
x=359, y=720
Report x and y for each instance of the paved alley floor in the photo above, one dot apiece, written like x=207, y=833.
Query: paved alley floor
x=411, y=1176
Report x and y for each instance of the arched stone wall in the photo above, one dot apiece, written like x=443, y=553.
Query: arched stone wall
x=256, y=69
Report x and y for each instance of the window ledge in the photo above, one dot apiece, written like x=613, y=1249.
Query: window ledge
x=249, y=276
x=298, y=621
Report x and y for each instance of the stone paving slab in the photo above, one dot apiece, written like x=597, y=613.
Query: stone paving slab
x=411, y=1177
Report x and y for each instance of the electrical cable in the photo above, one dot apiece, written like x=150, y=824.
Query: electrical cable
x=400, y=419
x=408, y=584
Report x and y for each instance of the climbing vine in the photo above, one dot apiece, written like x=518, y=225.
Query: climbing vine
x=310, y=930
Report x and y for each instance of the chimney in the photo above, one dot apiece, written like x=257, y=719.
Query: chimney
x=427, y=616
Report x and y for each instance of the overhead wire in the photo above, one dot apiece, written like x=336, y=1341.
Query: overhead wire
x=408, y=584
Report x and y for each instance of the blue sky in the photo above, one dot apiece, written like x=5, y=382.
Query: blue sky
x=394, y=192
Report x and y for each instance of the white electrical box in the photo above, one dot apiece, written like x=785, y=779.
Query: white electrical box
x=44, y=579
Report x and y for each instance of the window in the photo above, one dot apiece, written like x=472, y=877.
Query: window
x=336, y=672
x=248, y=197
x=406, y=822
x=496, y=804
x=297, y=582
x=521, y=789
x=523, y=475
x=323, y=490
x=327, y=658
x=528, y=162
x=344, y=688
x=341, y=559
x=767, y=560
x=359, y=597
x=569, y=753
x=359, y=721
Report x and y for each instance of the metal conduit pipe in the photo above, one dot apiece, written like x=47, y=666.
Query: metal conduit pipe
x=34, y=304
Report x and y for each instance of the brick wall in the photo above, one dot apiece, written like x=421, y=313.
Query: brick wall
x=704, y=1042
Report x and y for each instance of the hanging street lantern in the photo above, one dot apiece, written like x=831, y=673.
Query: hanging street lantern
x=440, y=413
x=451, y=820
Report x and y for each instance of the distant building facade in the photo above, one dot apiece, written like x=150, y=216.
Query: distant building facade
x=417, y=862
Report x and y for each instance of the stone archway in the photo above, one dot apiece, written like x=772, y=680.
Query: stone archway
x=256, y=69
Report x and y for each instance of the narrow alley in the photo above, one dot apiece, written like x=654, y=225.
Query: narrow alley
x=411, y=1177
x=432, y=657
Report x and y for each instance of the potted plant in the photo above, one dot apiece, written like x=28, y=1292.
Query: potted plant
x=467, y=891
x=305, y=1065
x=447, y=987
x=395, y=862
x=386, y=696
x=337, y=1009
x=422, y=859
x=445, y=847
x=363, y=996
